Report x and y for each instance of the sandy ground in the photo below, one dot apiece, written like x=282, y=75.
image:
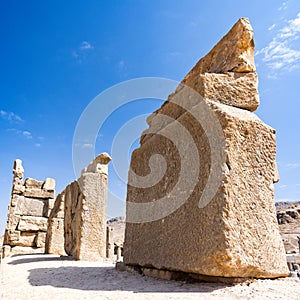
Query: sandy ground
x=51, y=277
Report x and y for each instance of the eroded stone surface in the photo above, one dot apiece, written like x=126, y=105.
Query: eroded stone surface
x=27, y=213
x=77, y=223
x=227, y=74
x=235, y=235
x=85, y=206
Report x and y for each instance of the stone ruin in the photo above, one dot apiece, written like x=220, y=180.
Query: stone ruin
x=233, y=235
x=28, y=211
x=77, y=223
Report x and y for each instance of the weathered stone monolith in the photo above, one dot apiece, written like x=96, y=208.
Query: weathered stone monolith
x=230, y=232
x=55, y=243
x=85, y=202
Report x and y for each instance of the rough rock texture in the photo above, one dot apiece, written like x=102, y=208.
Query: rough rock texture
x=235, y=234
x=55, y=242
x=288, y=217
x=227, y=74
x=77, y=224
x=27, y=213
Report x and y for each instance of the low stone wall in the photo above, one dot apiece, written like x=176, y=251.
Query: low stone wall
x=30, y=205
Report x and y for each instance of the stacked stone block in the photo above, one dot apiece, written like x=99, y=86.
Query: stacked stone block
x=30, y=206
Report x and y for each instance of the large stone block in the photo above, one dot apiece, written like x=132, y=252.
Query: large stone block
x=25, y=239
x=12, y=222
x=55, y=243
x=235, y=89
x=236, y=234
x=33, y=183
x=227, y=73
x=38, y=193
x=30, y=223
x=49, y=184
x=40, y=239
x=85, y=206
x=31, y=207
x=200, y=195
x=26, y=250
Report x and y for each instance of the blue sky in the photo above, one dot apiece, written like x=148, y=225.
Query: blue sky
x=58, y=55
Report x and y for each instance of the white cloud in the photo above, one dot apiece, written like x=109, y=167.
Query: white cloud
x=283, y=186
x=293, y=165
x=283, y=6
x=272, y=27
x=86, y=46
x=282, y=53
x=27, y=134
x=80, y=53
x=37, y=145
x=10, y=116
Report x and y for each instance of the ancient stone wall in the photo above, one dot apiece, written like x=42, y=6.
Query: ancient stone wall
x=55, y=231
x=82, y=209
x=184, y=221
x=30, y=205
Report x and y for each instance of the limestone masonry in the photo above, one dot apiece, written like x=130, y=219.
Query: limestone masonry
x=30, y=206
x=236, y=234
x=77, y=224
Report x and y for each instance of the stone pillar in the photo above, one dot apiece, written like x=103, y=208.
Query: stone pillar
x=200, y=195
x=109, y=242
x=119, y=253
x=85, y=212
x=55, y=243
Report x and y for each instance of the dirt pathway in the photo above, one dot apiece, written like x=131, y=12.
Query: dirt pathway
x=51, y=277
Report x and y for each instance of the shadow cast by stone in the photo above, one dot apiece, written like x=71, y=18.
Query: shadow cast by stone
x=109, y=279
x=41, y=258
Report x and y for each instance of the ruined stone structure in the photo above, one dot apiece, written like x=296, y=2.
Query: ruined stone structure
x=234, y=234
x=55, y=243
x=82, y=209
x=30, y=205
x=115, y=238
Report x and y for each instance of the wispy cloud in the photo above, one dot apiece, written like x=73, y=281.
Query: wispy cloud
x=27, y=134
x=272, y=27
x=282, y=53
x=10, y=116
x=293, y=165
x=283, y=6
x=283, y=186
x=81, y=51
x=86, y=45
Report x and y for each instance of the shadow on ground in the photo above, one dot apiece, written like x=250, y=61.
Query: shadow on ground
x=38, y=259
x=109, y=279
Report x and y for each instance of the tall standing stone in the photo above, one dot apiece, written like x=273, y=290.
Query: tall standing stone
x=55, y=243
x=85, y=202
x=234, y=234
